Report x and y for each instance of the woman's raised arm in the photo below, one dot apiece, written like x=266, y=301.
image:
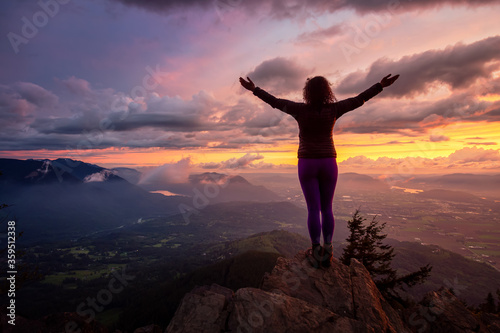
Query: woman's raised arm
x=277, y=103
x=352, y=103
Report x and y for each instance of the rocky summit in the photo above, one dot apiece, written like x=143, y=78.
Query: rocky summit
x=295, y=297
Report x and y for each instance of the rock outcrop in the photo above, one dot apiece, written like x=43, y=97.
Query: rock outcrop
x=296, y=297
x=440, y=311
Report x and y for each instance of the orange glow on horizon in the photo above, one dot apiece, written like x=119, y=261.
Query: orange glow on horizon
x=489, y=98
x=459, y=134
x=455, y=136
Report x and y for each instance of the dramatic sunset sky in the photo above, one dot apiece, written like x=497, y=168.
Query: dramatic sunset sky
x=155, y=83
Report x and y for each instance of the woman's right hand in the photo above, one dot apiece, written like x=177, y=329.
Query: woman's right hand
x=387, y=80
x=247, y=84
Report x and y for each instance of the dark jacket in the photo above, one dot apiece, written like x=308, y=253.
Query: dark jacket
x=316, y=124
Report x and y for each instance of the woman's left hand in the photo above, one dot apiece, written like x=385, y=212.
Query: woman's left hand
x=247, y=84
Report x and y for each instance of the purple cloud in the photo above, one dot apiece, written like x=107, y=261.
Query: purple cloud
x=279, y=75
x=458, y=66
x=291, y=8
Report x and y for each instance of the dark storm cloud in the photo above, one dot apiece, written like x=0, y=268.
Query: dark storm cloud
x=292, y=8
x=88, y=123
x=163, y=113
x=403, y=5
x=166, y=5
x=492, y=115
x=414, y=117
x=482, y=143
x=256, y=120
x=35, y=141
x=93, y=120
x=458, y=66
x=279, y=75
x=170, y=122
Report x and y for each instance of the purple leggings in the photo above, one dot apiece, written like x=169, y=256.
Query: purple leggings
x=318, y=178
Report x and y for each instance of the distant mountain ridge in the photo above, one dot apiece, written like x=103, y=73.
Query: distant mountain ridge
x=478, y=184
x=450, y=195
x=63, y=198
x=217, y=187
x=40, y=171
x=352, y=181
x=131, y=175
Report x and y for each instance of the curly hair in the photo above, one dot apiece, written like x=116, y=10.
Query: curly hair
x=317, y=91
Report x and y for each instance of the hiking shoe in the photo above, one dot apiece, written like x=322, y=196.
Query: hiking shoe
x=314, y=255
x=327, y=255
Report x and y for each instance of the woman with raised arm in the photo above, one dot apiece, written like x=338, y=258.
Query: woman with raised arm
x=317, y=164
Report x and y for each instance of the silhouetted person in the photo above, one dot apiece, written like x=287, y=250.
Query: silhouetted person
x=317, y=164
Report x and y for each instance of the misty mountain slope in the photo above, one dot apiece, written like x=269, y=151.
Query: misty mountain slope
x=131, y=175
x=281, y=242
x=471, y=280
x=216, y=187
x=450, y=195
x=226, y=221
x=25, y=172
x=355, y=182
x=51, y=204
x=477, y=184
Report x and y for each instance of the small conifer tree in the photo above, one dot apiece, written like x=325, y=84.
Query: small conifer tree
x=489, y=305
x=498, y=296
x=365, y=244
